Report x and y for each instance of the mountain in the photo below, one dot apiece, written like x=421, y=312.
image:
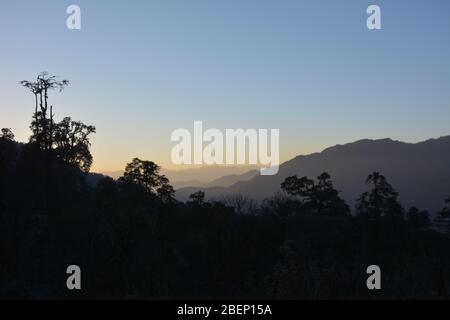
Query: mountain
x=113, y=174
x=205, y=176
x=420, y=172
x=188, y=183
x=93, y=178
x=229, y=180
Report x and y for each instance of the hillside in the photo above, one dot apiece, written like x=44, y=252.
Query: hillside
x=419, y=171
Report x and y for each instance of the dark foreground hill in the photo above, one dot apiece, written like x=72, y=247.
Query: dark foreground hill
x=419, y=171
x=130, y=240
x=65, y=234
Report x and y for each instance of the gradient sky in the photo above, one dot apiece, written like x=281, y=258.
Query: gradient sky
x=140, y=69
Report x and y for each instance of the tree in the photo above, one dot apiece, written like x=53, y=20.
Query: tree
x=8, y=153
x=303, y=188
x=145, y=174
x=67, y=140
x=240, y=203
x=42, y=127
x=327, y=198
x=381, y=201
x=35, y=88
x=445, y=212
x=166, y=193
x=321, y=197
x=7, y=134
x=72, y=143
x=197, y=198
x=417, y=218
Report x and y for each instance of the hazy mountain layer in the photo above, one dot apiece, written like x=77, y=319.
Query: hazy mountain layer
x=419, y=171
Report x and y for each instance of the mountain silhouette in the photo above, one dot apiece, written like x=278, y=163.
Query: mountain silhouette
x=419, y=171
x=229, y=180
x=204, y=176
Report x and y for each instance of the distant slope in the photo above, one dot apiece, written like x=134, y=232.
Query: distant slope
x=419, y=171
x=227, y=181
x=94, y=178
x=218, y=186
x=113, y=174
x=184, y=184
x=206, y=176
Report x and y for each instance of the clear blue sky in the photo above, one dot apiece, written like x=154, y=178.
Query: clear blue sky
x=140, y=69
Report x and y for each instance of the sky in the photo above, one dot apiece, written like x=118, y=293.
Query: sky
x=141, y=69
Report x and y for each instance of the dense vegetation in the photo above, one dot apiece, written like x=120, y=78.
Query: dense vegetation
x=132, y=239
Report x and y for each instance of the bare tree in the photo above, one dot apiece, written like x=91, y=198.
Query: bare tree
x=34, y=87
x=40, y=88
x=240, y=203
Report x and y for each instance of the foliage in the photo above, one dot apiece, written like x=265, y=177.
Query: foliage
x=321, y=197
x=381, y=201
x=445, y=212
x=6, y=134
x=145, y=175
x=71, y=139
x=67, y=140
x=197, y=198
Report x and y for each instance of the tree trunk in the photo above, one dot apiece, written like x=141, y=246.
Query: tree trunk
x=36, y=115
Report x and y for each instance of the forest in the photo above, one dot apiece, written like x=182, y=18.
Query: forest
x=133, y=240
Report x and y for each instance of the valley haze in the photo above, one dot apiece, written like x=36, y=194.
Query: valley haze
x=419, y=171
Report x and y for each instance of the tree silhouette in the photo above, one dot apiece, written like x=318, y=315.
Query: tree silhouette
x=67, y=140
x=240, y=203
x=445, y=212
x=7, y=134
x=165, y=192
x=303, y=188
x=42, y=126
x=8, y=153
x=381, y=201
x=145, y=174
x=321, y=197
x=327, y=197
x=35, y=88
x=418, y=218
x=71, y=139
x=197, y=198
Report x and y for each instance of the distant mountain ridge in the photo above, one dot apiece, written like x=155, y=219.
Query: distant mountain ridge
x=229, y=180
x=420, y=172
x=205, y=177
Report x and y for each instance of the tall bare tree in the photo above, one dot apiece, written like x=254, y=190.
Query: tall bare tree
x=40, y=88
